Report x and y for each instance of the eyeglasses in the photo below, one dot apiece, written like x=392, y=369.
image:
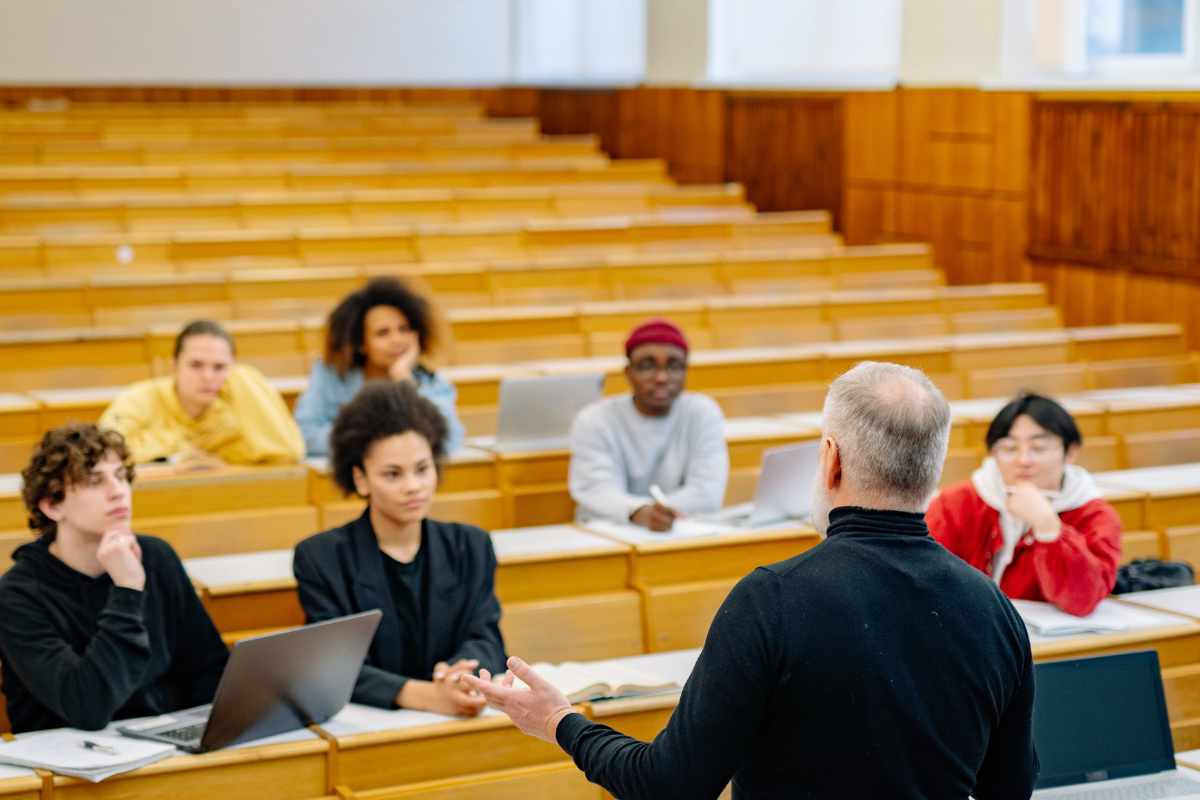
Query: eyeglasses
x=1008, y=450
x=648, y=366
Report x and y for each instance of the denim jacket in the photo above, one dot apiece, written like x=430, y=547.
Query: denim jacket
x=327, y=393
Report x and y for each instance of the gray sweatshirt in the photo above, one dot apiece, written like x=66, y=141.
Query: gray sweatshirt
x=617, y=453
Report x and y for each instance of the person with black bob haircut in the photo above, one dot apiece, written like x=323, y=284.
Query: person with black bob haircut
x=1031, y=518
x=378, y=332
x=434, y=581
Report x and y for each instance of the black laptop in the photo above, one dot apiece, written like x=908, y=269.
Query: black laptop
x=272, y=684
x=1101, y=729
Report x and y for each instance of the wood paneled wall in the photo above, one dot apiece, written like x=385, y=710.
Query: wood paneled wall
x=785, y=147
x=948, y=166
x=1114, y=224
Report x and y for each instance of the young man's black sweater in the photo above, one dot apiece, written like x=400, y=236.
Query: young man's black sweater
x=877, y=664
x=80, y=652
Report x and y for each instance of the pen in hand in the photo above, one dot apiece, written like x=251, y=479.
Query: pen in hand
x=88, y=744
x=658, y=495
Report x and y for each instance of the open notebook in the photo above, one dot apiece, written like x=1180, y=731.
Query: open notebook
x=580, y=682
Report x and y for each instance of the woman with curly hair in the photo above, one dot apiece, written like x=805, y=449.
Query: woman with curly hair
x=379, y=332
x=99, y=623
x=433, y=580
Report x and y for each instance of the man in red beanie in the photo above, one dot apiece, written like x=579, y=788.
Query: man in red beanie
x=657, y=436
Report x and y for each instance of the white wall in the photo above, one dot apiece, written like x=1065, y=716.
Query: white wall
x=579, y=41
x=951, y=42
x=322, y=42
x=231, y=42
x=676, y=41
x=774, y=41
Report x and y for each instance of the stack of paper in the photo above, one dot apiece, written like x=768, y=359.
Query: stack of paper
x=1109, y=617
x=91, y=756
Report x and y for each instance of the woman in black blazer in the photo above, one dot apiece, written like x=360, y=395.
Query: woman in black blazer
x=434, y=581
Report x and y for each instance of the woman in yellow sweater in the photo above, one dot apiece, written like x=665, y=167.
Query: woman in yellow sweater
x=211, y=406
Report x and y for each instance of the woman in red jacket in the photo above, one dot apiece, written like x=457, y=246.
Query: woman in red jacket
x=1029, y=517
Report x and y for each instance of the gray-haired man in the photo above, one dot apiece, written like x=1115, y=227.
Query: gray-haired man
x=876, y=664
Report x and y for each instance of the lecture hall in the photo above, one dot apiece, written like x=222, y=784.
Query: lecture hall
x=595, y=399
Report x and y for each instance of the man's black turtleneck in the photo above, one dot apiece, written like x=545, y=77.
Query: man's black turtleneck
x=78, y=652
x=877, y=664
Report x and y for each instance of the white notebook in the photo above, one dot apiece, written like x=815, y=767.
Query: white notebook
x=66, y=752
x=1109, y=617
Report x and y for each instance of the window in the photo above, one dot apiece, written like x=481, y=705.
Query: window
x=1135, y=34
x=1100, y=38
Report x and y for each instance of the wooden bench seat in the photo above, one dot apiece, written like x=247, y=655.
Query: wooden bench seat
x=301, y=150
x=224, y=249
x=47, y=216
x=209, y=179
x=264, y=293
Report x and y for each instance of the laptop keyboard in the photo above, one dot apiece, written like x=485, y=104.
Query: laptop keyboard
x=1174, y=786
x=186, y=734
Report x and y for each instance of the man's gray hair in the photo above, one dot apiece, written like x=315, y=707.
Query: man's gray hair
x=892, y=426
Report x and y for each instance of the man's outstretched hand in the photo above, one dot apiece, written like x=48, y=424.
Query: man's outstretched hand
x=536, y=710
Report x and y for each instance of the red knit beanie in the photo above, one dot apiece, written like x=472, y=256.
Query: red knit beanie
x=655, y=331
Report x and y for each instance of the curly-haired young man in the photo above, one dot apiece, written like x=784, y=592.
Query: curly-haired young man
x=99, y=623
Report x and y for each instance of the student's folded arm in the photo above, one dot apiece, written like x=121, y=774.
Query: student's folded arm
x=443, y=395
x=483, y=640
x=721, y=715
x=1078, y=570
x=147, y=437
x=375, y=686
x=707, y=472
x=85, y=689
x=267, y=432
x=597, y=483
x=1010, y=766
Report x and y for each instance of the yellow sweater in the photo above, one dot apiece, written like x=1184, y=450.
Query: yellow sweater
x=248, y=423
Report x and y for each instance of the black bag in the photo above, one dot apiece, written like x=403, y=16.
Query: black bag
x=1143, y=574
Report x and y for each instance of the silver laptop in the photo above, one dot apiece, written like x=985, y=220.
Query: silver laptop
x=272, y=684
x=784, y=490
x=536, y=413
x=1101, y=729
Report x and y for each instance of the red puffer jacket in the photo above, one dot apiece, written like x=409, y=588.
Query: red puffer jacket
x=1075, y=572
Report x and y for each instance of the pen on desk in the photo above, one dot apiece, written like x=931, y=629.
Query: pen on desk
x=88, y=744
x=658, y=495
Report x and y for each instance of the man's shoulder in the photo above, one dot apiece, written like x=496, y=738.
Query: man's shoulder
x=695, y=403
x=598, y=412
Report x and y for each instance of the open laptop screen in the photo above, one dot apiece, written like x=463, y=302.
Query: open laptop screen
x=1100, y=718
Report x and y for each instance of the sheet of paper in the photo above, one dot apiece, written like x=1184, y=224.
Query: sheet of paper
x=1184, y=600
x=1109, y=617
x=545, y=540
x=683, y=529
x=355, y=718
